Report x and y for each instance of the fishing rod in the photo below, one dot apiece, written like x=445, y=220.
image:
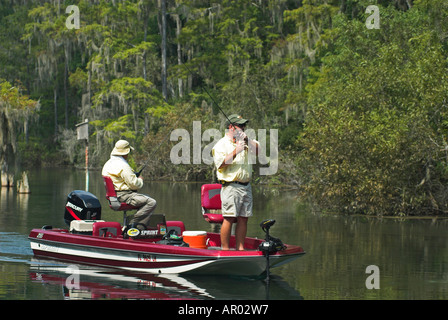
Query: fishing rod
x=138, y=173
x=206, y=91
x=216, y=103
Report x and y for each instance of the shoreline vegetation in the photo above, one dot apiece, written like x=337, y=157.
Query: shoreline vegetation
x=359, y=97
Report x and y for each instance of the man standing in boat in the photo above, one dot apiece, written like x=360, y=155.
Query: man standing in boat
x=234, y=171
x=126, y=183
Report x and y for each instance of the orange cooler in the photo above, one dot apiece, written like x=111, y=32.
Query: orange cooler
x=195, y=239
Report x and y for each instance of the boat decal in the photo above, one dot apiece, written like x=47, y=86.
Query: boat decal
x=71, y=205
x=71, y=212
x=47, y=247
x=133, y=232
x=147, y=257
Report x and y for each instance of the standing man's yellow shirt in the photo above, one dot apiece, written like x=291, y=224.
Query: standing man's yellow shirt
x=241, y=168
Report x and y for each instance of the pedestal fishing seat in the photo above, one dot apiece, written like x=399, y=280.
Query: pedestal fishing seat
x=114, y=204
x=211, y=202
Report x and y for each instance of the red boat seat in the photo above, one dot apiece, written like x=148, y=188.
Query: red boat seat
x=211, y=202
x=114, y=204
x=106, y=229
x=177, y=226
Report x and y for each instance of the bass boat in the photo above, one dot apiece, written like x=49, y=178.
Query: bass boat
x=162, y=247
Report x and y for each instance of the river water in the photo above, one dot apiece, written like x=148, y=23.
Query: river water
x=410, y=255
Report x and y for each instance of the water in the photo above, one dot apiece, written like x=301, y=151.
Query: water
x=411, y=254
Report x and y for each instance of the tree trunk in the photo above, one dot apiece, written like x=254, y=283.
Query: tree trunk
x=164, y=64
x=55, y=112
x=179, y=53
x=144, y=39
x=66, y=88
x=23, y=185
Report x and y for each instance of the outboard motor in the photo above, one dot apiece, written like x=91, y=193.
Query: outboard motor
x=82, y=205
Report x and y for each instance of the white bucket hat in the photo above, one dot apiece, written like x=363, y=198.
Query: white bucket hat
x=122, y=148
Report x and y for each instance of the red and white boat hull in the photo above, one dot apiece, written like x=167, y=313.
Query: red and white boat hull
x=147, y=256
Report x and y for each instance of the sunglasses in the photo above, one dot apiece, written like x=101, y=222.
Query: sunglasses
x=241, y=126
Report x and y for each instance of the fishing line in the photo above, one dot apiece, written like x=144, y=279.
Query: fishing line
x=138, y=173
x=206, y=91
x=203, y=88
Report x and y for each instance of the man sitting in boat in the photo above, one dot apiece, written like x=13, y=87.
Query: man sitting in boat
x=234, y=171
x=126, y=183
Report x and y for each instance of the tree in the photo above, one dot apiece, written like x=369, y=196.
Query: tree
x=16, y=110
x=374, y=132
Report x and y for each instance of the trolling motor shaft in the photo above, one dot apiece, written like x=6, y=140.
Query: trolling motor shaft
x=270, y=245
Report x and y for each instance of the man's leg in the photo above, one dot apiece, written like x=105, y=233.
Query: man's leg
x=244, y=212
x=143, y=214
x=228, y=211
x=146, y=206
x=240, y=232
x=226, y=229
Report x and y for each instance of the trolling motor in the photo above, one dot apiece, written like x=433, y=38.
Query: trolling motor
x=270, y=245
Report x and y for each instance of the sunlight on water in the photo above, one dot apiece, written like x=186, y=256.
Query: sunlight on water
x=14, y=247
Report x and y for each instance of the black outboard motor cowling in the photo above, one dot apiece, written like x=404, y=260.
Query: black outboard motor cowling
x=82, y=205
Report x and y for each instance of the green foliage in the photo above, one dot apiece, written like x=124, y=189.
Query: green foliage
x=16, y=111
x=115, y=129
x=361, y=112
x=372, y=139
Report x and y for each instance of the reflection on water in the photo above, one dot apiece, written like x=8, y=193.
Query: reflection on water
x=84, y=282
x=411, y=254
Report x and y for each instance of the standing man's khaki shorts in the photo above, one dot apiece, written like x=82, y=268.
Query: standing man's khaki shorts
x=236, y=200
